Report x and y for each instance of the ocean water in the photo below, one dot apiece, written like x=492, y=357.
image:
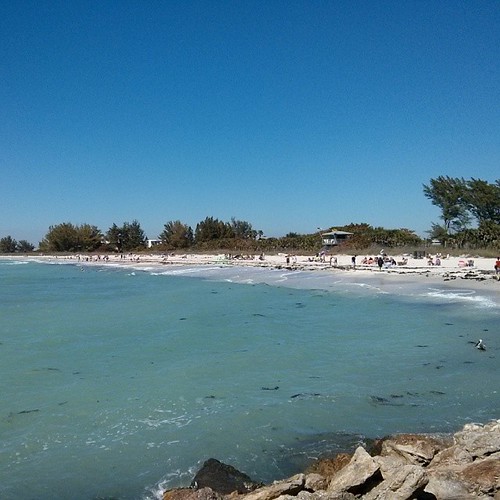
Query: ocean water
x=119, y=382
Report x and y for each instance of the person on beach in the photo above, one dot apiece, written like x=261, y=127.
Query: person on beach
x=380, y=262
x=353, y=260
x=497, y=268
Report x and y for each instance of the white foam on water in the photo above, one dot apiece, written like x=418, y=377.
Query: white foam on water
x=466, y=296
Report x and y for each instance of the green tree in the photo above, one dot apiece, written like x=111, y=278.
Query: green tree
x=114, y=237
x=242, y=229
x=438, y=232
x=127, y=237
x=89, y=238
x=61, y=238
x=24, y=246
x=67, y=237
x=212, y=229
x=8, y=245
x=483, y=200
x=135, y=238
x=176, y=235
x=448, y=194
x=487, y=235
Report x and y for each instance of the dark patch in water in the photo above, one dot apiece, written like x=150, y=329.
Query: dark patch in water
x=182, y=319
x=299, y=305
x=377, y=400
x=438, y=367
x=422, y=345
x=22, y=412
x=449, y=324
x=62, y=403
x=468, y=362
x=259, y=315
x=210, y=397
x=305, y=395
x=46, y=369
x=275, y=388
x=438, y=393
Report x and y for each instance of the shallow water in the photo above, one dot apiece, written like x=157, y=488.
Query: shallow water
x=119, y=382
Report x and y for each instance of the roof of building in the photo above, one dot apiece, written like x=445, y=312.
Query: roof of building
x=336, y=233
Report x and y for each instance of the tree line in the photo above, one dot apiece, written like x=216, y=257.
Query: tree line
x=10, y=245
x=470, y=218
x=470, y=212
x=130, y=237
x=210, y=234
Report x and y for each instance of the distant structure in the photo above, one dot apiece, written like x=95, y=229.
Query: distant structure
x=152, y=243
x=334, y=238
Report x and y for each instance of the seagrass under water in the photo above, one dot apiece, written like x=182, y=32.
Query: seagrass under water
x=117, y=382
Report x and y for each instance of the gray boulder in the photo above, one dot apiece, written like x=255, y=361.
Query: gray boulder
x=479, y=440
x=413, y=448
x=292, y=486
x=357, y=476
x=403, y=485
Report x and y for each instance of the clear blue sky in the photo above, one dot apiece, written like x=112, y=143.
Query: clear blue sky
x=291, y=115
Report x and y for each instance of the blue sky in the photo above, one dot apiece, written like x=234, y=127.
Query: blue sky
x=291, y=115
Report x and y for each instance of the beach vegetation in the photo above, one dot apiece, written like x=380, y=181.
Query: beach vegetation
x=176, y=235
x=126, y=238
x=448, y=194
x=67, y=237
x=8, y=245
x=309, y=243
x=242, y=229
x=212, y=229
x=365, y=236
x=470, y=219
x=483, y=200
x=24, y=246
x=463, y=202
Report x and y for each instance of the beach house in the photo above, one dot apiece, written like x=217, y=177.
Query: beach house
x=152, y=243
x=334, y=238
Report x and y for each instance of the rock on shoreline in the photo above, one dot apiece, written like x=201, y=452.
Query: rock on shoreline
x=405, y=466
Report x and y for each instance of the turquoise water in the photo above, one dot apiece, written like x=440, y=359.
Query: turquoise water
x=120, y=382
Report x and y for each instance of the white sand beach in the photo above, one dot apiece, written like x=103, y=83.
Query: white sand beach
x=474, y=272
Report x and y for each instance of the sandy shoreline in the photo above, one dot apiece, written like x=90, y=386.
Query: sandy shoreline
x=476, y=274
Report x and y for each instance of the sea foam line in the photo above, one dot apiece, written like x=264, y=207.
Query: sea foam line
x=461, y=295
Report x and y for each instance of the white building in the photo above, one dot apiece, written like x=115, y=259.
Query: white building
x=152, y=243
x=334, y=238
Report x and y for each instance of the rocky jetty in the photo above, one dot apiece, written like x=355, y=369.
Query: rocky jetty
x=462, y=466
